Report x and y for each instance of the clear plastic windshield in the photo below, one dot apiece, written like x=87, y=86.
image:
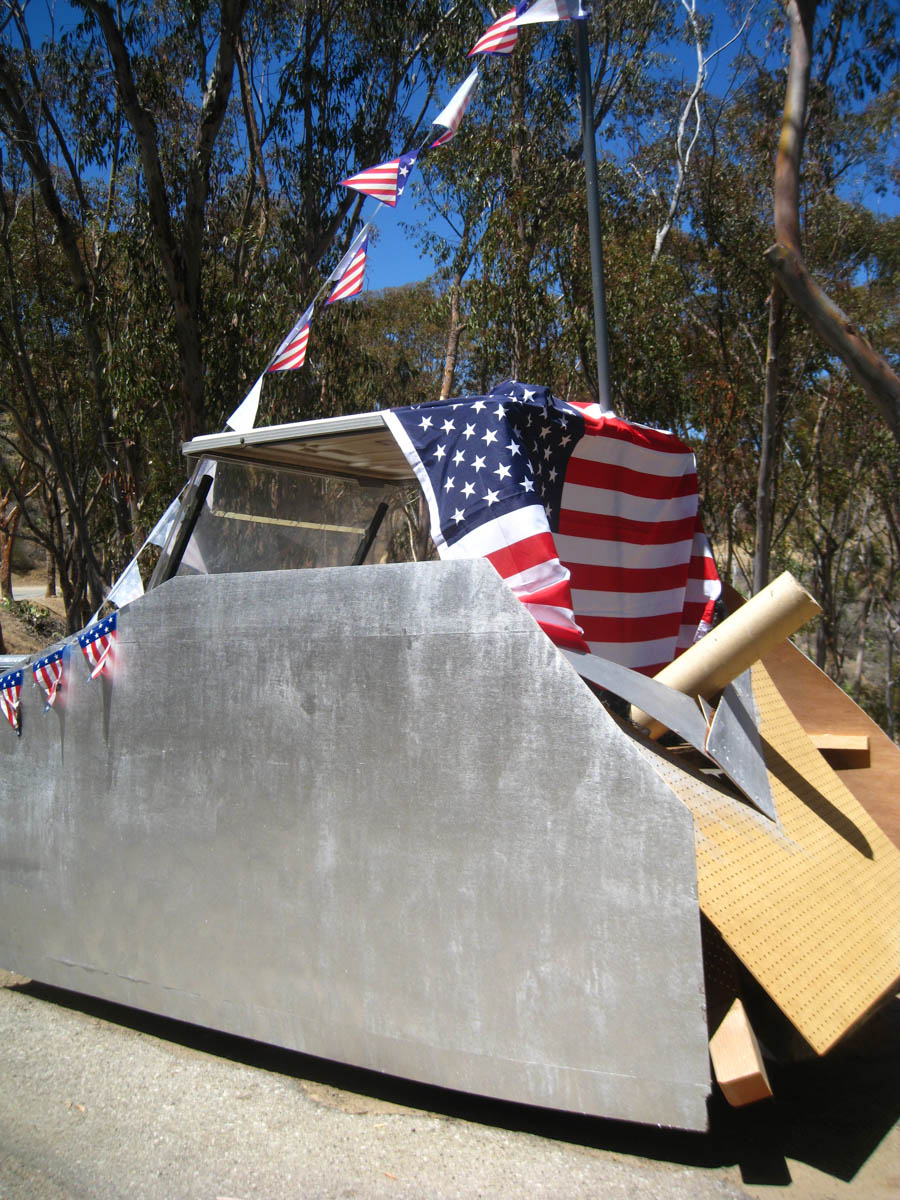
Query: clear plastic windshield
x=255, y=518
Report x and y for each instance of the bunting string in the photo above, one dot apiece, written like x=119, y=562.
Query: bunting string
x=386, y=183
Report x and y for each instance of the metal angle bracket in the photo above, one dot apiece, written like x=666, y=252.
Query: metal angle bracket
x=734, y=743
x=731, y=739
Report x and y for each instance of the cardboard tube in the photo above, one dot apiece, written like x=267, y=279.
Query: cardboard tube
x=741, y=640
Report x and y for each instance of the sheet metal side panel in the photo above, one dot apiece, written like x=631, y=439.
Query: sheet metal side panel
x=371, y=814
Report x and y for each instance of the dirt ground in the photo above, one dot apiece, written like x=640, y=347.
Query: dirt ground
x=102, y=1101
x=18, y=635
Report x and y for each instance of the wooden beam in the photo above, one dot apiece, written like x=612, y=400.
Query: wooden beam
x=844, y=751
x=737, y=1061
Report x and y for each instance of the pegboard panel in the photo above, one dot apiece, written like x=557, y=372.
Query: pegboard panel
x=810, y=904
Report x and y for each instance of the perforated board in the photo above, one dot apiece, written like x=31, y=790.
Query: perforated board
x=810, y=904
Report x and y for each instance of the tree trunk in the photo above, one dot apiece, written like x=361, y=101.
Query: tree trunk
x=765, y=480
x=834, y=327
x=453, y=334
x=861, y=644
x=871, y=371
x=521, y=252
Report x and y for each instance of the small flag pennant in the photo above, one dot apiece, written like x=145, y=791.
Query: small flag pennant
x=97, y=642
x=352, y=279
x=501, y=37
x=129, y=586
x=385, y=182
x=341, y=269
x=159, y=534
x=48, y=674
x=291, y=354
x=10, y=689
x=451, y=116
x=244, y=416
x=552, y=10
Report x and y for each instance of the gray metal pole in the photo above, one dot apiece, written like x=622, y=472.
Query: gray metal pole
x=593, y=204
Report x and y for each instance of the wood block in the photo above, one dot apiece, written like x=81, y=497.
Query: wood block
x=843, y=751
x=737, y=1062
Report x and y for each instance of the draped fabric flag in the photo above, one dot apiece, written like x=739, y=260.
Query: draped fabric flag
x=291, y=354
x=10, y=690
x=48, y=674
x=98, y=642
x=451, y=116
x=351, y=280
x=592, y=521
x=385, y=182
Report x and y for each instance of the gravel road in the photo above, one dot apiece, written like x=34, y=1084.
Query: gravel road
x=101, y=1102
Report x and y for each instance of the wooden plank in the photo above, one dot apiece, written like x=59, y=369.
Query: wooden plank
x=737, y=1060
x=819, y=705
x=843, y=751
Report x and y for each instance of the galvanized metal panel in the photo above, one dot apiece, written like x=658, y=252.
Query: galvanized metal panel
x=369, y=813
x=735, y=744
x=673, y=709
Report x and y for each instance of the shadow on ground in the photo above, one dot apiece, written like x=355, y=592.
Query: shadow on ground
x=830, y=1113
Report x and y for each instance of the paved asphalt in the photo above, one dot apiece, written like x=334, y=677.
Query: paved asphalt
x=99, y=1102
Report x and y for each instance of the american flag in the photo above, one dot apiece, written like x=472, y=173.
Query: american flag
x=351, y=280
x=48, y=673
x=10, y=690
x=591, y=520
x=97, y=642
x=501, y=37
x=291, y=354
x=385, y=182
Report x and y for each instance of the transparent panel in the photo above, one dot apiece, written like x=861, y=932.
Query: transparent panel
x=261, y=519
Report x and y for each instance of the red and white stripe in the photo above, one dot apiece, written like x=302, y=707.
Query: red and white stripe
x=499, y=38
x=521, y=548
x=293, y=354
x=451, y=116
x=9, y=703
x=48, y=675
x=99, y=652
x=380, y=182
x=351, y=281
x=642, y=576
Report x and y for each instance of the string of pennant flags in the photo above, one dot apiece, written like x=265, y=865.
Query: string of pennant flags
x=97, y=643
x=97, y=640
x=385, y=183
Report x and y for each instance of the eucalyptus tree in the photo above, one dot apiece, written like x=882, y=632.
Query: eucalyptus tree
x=189, y=158
x=515, y=189
x=827, y=82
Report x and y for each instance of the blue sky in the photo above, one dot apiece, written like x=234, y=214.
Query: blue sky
x=395, y=258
